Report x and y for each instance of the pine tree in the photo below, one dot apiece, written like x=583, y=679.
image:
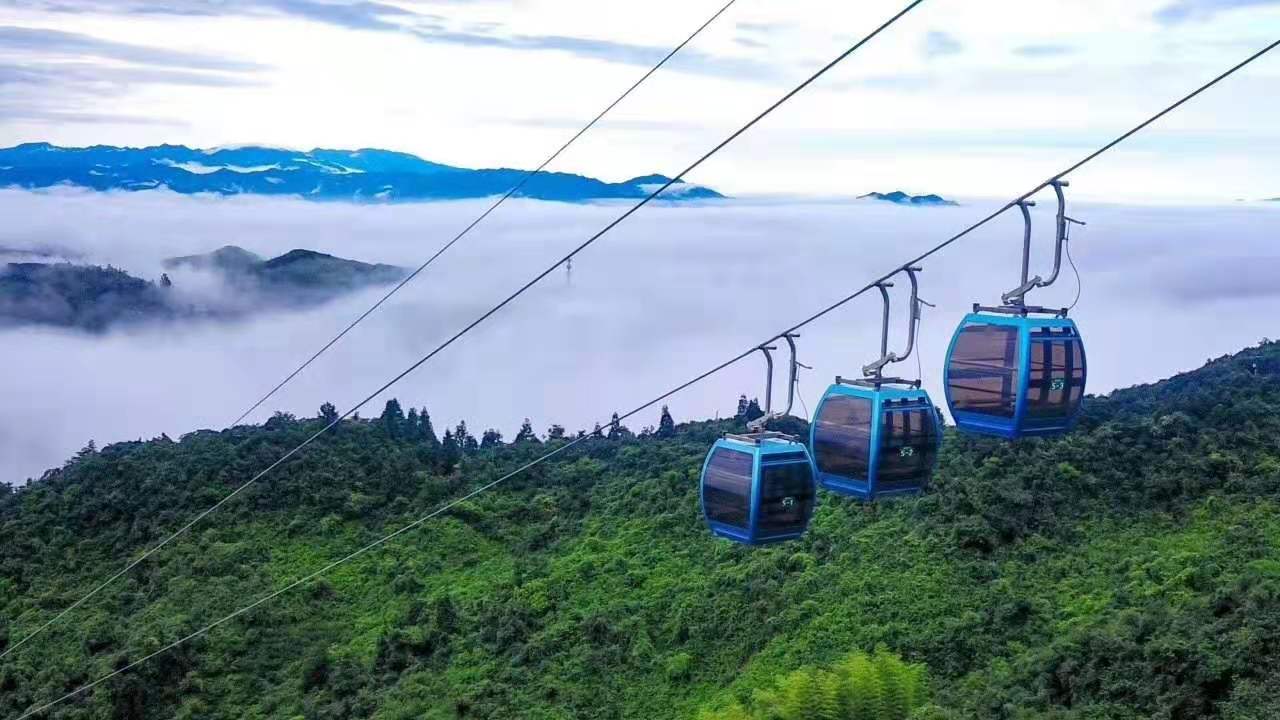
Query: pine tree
x=753, y=411
x=450, y=452
x=411, y=423
x=392, y=418
x=618, y=431
x=742, y=408
x=491, y=438
x=328, y=413
x=666, y=424
x=467, y=442
x=526, y=434
x=555, y=432
x=425, y=429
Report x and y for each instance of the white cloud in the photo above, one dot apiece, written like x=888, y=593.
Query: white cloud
x=674, y=291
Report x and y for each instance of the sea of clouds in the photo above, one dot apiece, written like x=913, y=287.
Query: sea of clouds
x=673, y=291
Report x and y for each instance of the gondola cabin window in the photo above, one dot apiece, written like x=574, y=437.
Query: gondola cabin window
x=727, y=492
x=984, y=370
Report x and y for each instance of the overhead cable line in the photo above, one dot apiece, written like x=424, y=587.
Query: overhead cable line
x=496, y=204
x=557, y=451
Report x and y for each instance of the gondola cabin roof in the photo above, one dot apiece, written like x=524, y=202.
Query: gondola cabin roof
x=886, y=392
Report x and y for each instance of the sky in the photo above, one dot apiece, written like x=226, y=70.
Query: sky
x=961, y=97
x=674, y=291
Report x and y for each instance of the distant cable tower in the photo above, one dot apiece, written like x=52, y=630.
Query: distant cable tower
x=568, y=273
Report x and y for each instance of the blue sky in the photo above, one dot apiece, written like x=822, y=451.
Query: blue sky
x=960, y=98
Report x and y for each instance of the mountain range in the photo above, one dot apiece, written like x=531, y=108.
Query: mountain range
x=298, y=276
x=900, y=198
x=364, y=175
x=94, y=298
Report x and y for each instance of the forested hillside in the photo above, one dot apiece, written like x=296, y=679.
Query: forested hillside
x=1127, y=571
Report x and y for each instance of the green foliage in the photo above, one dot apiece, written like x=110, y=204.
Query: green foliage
x=1126, y=571
x=879, y=686
x=86, y=297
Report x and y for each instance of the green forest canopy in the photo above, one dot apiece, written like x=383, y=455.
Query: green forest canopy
x=1126, y=571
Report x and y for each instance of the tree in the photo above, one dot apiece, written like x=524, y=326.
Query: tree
x=666, y=424
x=450, y=450
x=878, y=686
x=555, y=432
x=392, y=418
x=328, y=413
x=411, y=423
x=618, y=431
x=467, y=442
x=491, y=438
x=526, y=434
x=753, y=411
x=425, y=430
x=741, y=414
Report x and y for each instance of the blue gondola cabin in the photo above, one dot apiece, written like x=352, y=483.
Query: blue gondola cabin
x=758, y=488
x=1015, y=375
x=871, y=442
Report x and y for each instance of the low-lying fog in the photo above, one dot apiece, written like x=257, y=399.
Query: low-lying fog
x=670, y=293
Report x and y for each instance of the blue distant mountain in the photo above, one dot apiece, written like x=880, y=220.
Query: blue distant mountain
x=900, y=198
x=365, y=175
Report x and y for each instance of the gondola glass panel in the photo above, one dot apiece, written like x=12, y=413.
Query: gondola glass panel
x=842, y=435
x=786, y=496
x=726, y=487
x=984, y=370
x=908, y=445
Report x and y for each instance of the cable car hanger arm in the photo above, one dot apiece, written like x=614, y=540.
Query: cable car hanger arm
x=759, y=423
x=1017, y=296
x=876, y=369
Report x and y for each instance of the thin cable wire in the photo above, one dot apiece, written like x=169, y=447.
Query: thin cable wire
x=800, y=396
x=1079, y=283
x=496, y=204
x=919, y=348
x=699, y=378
